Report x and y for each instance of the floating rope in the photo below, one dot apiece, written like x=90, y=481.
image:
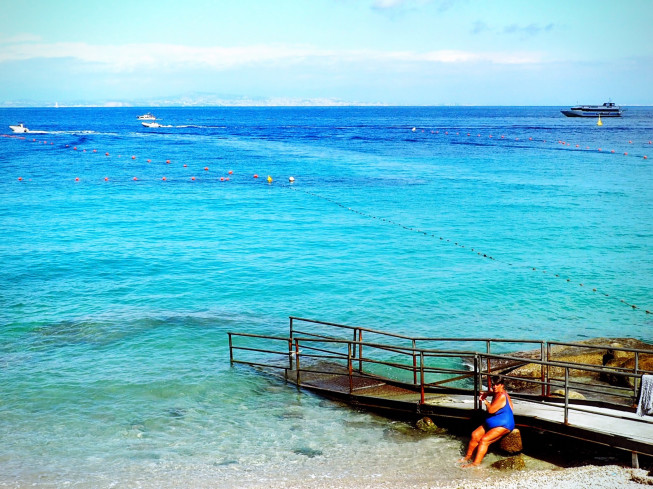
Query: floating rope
x=389, y=221
x=454, y=243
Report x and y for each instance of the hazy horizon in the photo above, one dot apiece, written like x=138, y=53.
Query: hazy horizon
x=326, y=53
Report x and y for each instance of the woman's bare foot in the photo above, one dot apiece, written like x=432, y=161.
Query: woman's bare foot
x=470, y=464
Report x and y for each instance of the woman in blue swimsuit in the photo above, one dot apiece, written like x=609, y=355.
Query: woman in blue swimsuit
x=499, y=422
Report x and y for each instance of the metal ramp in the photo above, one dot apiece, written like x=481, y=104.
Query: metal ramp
x=394, y=374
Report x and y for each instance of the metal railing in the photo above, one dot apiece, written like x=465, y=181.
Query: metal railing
x=409, y=362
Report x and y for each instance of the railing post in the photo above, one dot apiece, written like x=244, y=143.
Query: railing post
x=477, y=378
x=360, y=351
x=414, y=363
x=231, y=351
x=421, y=370
x=350, y=367
x=542, y=368
x=636, y=378
x=489, y=365
x=299, y=382
x=548, y=372
x=566, y=395
x=291, y=327
x=290, y=352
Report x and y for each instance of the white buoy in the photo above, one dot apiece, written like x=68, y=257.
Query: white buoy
x=414, y=129
x=291, y=179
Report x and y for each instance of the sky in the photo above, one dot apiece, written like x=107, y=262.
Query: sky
x=325, y=52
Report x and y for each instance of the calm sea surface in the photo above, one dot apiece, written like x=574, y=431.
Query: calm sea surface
x=118, y=287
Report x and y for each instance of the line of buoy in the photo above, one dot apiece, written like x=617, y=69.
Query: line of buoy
x=490, y=136
x=455, y=243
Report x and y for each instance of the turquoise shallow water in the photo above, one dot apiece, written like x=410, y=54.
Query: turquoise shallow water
x=116, y=295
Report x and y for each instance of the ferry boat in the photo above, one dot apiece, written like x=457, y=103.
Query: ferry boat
x=608, y=109
x=147, y=117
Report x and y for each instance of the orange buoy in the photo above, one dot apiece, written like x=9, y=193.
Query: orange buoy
x=206, y=168
x=75, y=148
x=106, y=154
x=645, y=157
x=133, y=157
x=77, y=179
x=106, y=179
x=185, y=165
x=167, y=161
x=222, y=179
x=164, y=179
x=94, y=151
x=20, y=179
x=149, y=161
x=135, y=178
x=192, y=178
x=255, y=176
x=230, y=172
x=612, y=151
x=626, y=153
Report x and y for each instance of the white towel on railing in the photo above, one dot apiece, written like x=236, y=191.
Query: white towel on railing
x=645, y=405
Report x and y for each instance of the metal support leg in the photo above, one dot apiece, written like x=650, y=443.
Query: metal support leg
x=635, y=460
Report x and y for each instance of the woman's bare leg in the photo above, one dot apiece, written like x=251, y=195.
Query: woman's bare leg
x=488, y=438
x=477, y=436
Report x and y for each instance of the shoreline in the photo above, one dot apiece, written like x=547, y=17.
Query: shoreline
x=585, y=476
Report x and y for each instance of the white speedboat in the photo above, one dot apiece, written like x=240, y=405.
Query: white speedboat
x=19, y=128
x=608, y=109
x=147, y=117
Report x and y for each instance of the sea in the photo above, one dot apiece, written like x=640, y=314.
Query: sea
x=128, y=254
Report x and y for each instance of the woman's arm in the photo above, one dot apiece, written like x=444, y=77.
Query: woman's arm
x=497, y=403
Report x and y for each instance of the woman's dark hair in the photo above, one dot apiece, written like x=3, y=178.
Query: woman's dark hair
x=496, y=380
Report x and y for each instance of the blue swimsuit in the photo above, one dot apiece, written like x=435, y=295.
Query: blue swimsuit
x=503, y=417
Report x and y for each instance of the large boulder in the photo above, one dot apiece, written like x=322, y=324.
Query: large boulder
x=512, y=443
x=607, y=355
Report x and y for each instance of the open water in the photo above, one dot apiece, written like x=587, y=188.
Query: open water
x=118, y=287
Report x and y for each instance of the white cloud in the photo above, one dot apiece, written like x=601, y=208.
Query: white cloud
x=19, y=38
x=135, y=57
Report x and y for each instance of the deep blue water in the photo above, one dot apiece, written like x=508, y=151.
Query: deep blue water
x=118, y=287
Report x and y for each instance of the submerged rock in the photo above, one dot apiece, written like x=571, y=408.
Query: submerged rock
x=308, y=452
x=427, y=425
x=510, y=463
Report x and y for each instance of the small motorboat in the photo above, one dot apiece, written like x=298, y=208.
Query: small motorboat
x=147, y=117
x=19, y=128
